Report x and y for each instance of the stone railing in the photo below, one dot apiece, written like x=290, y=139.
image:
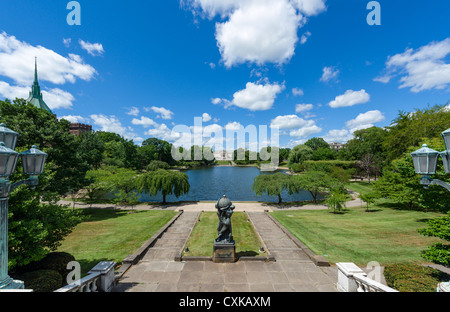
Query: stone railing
x=99, y=279
x=352, y=279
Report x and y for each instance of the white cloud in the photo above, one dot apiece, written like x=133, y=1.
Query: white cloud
x=422, y=69
x=350, y=98
x=297, y=92
x=299, y=127
x=67, y=42
x=206, y=117
x=329, y=73
x=288, y=122
x=256, y=97
x=133, y=111
x=216, y=101
x=55, y=98
x=17, y=63
x=301, y=108
x=310, y=129
x=112, y=124
x=233, y=126
x=310, y=7
x=94, y=49
x=305, y=37
x=339, y=136
x=163, y=112
x=256, y=31
x=365, y=120
x=75, y=119
x=144, y=121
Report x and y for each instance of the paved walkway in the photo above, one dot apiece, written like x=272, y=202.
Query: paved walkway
x=292, y=271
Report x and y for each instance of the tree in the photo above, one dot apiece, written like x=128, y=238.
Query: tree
x=317, y=143
x=438, y=253
x=314, y=182
x=157, y=164
x=35, y=227
x=324, y=154
x=336, y=201
x=299, y=154
x=368, y=198
x=410, y=129
x=156, y=149
x=166, y=182
x=271, y=184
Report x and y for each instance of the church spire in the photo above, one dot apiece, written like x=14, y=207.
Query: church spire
x=35, y=97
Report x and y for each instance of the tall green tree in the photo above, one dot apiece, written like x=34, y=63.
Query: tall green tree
x=412, y=128
x=315, y=182
x=299, y=154
x=317, y=143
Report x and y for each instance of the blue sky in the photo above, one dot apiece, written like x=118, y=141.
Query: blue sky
x=314, y=68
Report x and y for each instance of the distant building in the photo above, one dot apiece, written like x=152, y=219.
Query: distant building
x=79, y=128
x=223, y=155
x=336, y=146
x=37, y=100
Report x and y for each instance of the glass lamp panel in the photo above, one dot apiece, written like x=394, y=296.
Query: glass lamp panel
x=432, y=162
x=8, y=136
x=446, y=160
x=416, y=163
x=446, y=137
x=12, y=164
x=3, y=162
x=423, y=164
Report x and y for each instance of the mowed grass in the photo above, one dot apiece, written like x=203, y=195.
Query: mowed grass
x=361, y=187
x=384, y=235
x=201, y=240
x=109, y=235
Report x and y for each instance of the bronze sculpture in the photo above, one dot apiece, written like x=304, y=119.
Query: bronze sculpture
x=224, y=229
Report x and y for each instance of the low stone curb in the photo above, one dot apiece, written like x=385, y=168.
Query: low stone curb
x=318, y=260
x=133, y=259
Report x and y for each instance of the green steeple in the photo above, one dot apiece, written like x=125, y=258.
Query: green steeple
x=35, y=97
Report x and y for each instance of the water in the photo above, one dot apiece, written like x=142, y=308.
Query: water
x=210, y=184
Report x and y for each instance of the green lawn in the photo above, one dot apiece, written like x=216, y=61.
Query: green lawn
x=384, y=235
x=201, y=241
x=109, y=235
x=361, y=187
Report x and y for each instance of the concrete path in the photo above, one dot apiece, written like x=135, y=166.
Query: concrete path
x=292, y=271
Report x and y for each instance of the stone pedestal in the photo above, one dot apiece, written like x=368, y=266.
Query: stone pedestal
x=224, y=253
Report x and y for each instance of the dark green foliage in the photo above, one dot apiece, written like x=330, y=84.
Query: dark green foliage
x=438, y=227
x=157, y=164
x=317, y=143
x=300, y=154
x=407, y=277
x=42, y=280
x=56, y=261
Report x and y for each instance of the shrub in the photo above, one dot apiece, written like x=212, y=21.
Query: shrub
x=55, y=261
x=407, y=277
x=42, y=280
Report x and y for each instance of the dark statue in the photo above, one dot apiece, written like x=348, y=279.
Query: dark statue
x=224, y=212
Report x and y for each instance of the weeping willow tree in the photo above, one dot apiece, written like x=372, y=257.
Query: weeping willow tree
x=271, y=184
x=165, y=182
